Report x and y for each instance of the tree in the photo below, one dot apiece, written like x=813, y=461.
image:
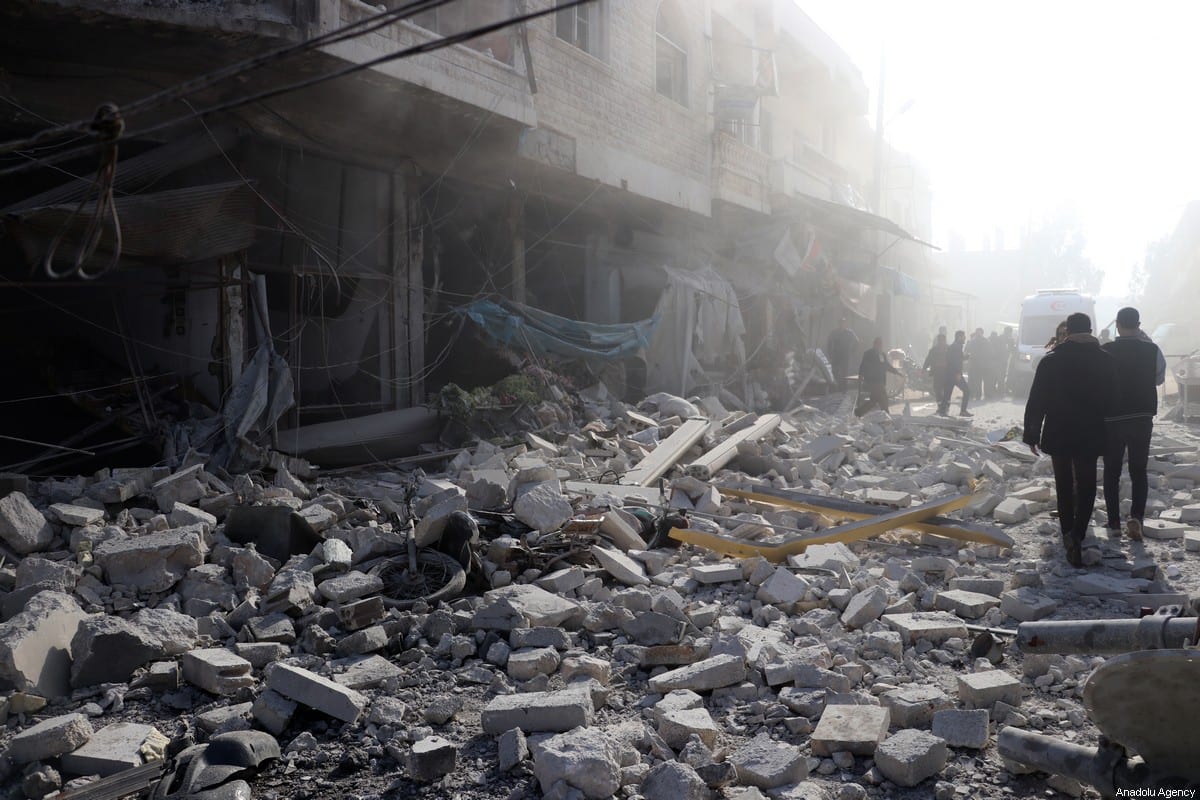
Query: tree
x=1055, y=255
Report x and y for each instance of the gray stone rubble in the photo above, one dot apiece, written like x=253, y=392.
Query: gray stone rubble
x=578, y=662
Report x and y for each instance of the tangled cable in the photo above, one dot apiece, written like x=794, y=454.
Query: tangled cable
x=107, y=126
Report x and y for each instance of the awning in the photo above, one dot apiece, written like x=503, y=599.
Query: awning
x=838, y=213
x=901, y=285
x=525, y=327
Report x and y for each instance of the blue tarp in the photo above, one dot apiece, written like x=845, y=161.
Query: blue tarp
x=523, y=327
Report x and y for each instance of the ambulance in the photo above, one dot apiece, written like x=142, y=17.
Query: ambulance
x=1040, y=315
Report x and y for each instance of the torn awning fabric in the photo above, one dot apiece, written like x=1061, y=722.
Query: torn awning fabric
x=522, y=327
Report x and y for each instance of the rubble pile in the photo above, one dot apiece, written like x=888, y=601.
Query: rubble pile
x=271, y=620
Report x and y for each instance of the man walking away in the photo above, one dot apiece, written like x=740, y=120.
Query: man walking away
x=1073, y=391
x=840, y=348
x=996, y=359
x=872, y=378
x=976, y=353
x=954, y=376
x=935, y=365
x=1141, y=369
x=1009, y=349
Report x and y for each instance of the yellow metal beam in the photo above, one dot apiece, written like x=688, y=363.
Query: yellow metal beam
x=865, y=528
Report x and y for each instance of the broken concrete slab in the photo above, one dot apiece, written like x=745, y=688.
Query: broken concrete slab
x=962, y=728
x=432, y=758
x=969, y=605
x=543, y=507
x=864, y=607
x=984, y=689
x=115, y=748
x=911, y=756
x=620, y=566
x=854, y=729
x=586, y=760
x=723, y=572
x=217, y=670
x=176, y=633
x=76, y=516
x=273, y=711
x=702, y=676
x=783, y=588
x=931, y=626
x=108, y=649
x=310, y=689
x=915, y=706
x=350, y=586
x=535, y=712
x=23, y=527
x=768, y=764
x=523, y=606
x=154, y=562
x=35, y=645
x=1026, y=605
x=49, y=738
x=678, y=725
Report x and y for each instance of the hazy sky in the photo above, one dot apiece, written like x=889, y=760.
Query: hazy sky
x=1022, y=106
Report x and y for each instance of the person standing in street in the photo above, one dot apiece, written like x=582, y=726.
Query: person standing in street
x=840, y=348
x=1141, y=369
x=935, y=365
x=1073, y=391
x=954, y=376
x=1009, y=348
x=872, y=378
x=976, y=353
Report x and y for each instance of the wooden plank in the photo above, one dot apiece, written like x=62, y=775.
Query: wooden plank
x=855, y=531
x=663, y=457
x=704, y=466
x=819, y=504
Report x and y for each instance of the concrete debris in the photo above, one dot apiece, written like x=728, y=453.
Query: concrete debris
x=586, y=651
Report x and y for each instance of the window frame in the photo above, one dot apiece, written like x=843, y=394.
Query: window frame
x=677, y=52
x=594, y=18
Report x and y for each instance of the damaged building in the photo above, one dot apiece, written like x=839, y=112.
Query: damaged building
x=692, y=174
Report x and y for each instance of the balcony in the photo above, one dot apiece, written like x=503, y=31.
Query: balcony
x=740, y=172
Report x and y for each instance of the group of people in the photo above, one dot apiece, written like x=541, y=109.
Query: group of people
x=977, y=367
x=1090, y=401
x=872, y=369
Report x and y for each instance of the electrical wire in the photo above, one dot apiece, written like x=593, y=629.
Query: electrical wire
x=415, y=50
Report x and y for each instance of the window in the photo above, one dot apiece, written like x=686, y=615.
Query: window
x=671, y=58
x=465, y=15
x=582, y=26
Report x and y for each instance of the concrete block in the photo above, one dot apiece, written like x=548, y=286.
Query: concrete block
x=534, y=712
x=35, y=645
x=543, y=507
x=183, y=515
x=1098, y=584
x=969, y=605
x=76, y=516
x=864, y=607
x=107, y=649
x=855, y=729
x=652, y=628
x=676, y=727
x=432, y=758
x=154, y=562
x=679, y=781
x=539, y=637
x=523, y=606
x=351, y=586
x=807, y=702
x=259, y=654
x=526, y=664
x=989, y=586
x=825, y=556
x=810, y=676
x=586, y=760
x=1011, y=511
x=217, y=670
x=931, y=626
x=910, y=757
x=620, y=566
x=1026, y=605
x=1164, y=530
x=782, y=588
x=702, y=676
x=768, y=764
x=176, y=633
x=367, y=672
x=513, y=749
x=49, y=739
x=115, y=748
x=962, y=728
x=368, y=640
x=722, y=572
x=983, y=689
x=561, y=581
x=310, y=689
x=886, y=497
x=915, y=706
x=23, y=527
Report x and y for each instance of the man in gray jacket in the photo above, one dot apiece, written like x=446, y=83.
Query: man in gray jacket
x=1141, y=369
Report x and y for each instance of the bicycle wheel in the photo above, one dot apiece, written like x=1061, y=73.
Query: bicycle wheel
x=438, y=577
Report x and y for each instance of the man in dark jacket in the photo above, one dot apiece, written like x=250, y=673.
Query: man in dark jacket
x=872, y=378
x=954, y=376
x=1072, y=392
x=840, y=348
x=1141, y=369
